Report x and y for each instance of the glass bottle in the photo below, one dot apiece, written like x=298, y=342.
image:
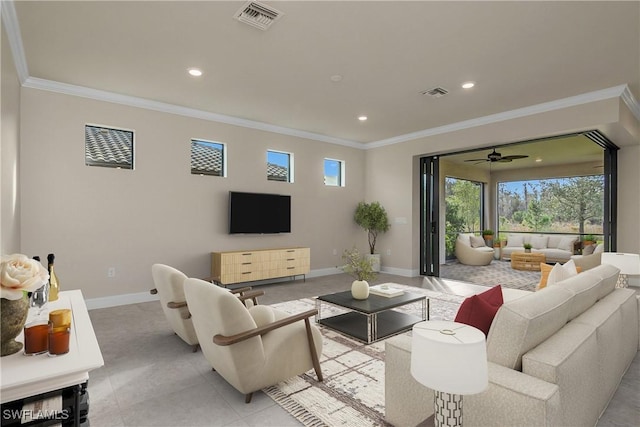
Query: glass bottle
x=40, y=296
x=54, y=285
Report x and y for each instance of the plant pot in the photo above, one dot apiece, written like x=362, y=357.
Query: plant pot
x=13, y=315
x=527, y=251
x=375, y=261
x=360, y=289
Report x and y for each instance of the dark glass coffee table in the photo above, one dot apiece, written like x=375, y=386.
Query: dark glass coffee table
x=374, y=318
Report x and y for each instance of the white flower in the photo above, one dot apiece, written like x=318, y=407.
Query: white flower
x=20, y=273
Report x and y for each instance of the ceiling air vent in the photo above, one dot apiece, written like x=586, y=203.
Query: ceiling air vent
x=258, y=15
x=436, y=92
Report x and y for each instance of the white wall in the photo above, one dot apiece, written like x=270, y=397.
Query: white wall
x=9, y=143
x=94, y=218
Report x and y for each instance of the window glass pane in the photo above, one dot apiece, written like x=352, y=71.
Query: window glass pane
x=207, y=158
x=463, y=210
x=333, y=172
x=573, y=205
x=278, y=166
x=112, y=148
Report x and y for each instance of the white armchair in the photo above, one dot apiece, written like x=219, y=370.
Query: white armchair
x=471, y=250
x=251, y=348
x=169, y=284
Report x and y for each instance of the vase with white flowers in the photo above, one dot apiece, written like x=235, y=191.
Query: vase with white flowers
x=19, y=274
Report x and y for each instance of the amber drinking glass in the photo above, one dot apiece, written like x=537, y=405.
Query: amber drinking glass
x=36, y=337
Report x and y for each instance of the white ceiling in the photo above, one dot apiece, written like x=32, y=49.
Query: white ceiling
x=387, y=52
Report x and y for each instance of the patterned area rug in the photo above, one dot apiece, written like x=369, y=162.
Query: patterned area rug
x=352, y=393
x=496, y=273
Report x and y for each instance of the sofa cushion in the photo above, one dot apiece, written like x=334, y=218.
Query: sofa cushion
x=515, y=241
x=479, y=310
x=465, y=238
x=566, y=243
x=588, y=250
x=539, y=242
x=522, y=324
x=586, y=290
x=477, y=242
x=608, y=274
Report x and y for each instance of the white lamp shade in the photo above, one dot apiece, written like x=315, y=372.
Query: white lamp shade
x=449, y=357
x=627, y=263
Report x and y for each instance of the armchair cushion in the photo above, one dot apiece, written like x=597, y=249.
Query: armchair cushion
x=262, y=315
x=539, y=242
x=477, y=242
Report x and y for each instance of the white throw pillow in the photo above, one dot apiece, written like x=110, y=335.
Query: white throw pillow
x=477, y=242
x=561, y=272
x=465, y=238
x=515, y=241
x=566, y=244
x=599, y=249
x=539, y=242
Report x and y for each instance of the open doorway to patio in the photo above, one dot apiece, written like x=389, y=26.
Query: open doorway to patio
x=586, y=160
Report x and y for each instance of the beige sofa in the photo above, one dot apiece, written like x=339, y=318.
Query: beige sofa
x=555, y=358
x=555, y=247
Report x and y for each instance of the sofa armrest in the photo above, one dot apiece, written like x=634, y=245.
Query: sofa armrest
x=513, y=398
x=408, y=403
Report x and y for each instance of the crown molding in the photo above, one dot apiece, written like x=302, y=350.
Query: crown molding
x=116, y=98
x=631, y=102
x=599, y=95
x=10, y=20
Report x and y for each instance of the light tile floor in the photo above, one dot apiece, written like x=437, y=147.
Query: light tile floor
x=152, y=378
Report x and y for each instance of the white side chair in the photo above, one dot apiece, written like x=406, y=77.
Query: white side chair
x=169, y=285
x=251, y=348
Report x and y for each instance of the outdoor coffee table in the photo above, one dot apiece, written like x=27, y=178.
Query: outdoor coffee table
x=529, y=261
x=374, y=318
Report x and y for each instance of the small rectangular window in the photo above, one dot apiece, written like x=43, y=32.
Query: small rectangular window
x=279, y=166
x=334, y=172
x=108, y=147
x=208, y=158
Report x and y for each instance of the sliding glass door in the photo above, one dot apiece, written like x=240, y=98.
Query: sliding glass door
x=429, y=216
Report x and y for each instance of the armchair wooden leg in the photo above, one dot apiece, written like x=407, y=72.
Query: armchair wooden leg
x=195, y=347
x=247, y=397
x=312, y=350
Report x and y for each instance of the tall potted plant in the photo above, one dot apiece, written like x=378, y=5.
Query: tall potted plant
x=373, y=218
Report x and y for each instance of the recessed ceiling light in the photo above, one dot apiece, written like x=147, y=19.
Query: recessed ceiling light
x=362, y=118
x=336, y=78
x=195, y=72
x=538, y=160
x=468, y=85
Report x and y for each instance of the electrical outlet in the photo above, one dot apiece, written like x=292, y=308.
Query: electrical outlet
x=111, y=272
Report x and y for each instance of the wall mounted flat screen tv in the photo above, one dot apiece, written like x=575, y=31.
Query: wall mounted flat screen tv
x=259, y=213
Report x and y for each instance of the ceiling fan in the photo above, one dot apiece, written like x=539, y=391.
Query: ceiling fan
x=497, y=157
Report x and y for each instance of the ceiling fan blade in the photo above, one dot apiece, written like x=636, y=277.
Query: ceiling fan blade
x=477, y=160
x=504, y=160
x=515, y=157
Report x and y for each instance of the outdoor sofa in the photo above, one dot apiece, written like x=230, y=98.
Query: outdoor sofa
x=555, y=247
x=555, y=358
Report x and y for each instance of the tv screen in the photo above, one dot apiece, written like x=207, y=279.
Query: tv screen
x=259, y=213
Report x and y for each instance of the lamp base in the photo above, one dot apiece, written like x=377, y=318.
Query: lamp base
x=448, y=410
x=623, y=281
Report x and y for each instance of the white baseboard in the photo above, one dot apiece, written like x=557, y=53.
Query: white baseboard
x=401, y=272
x=123, y=299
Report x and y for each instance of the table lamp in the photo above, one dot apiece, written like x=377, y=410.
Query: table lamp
x=451, y=359
x=627, y=263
